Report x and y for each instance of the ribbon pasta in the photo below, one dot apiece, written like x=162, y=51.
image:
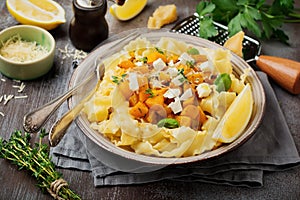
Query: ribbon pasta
x=147, y=82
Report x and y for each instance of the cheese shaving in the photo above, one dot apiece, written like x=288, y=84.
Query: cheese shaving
x=2, y=114
x=18, y=50
x=7, y=98
x=72, y=53
x=20, y=87
x=20, y=97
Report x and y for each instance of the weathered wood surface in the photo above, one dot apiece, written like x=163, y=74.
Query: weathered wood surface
x=16, y=184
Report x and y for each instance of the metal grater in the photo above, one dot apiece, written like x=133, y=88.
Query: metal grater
x=190, y=26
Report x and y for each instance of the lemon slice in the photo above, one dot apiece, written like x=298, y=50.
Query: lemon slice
x=46, y=14
x=235, y=43
x=236, y=117
x=129, y=10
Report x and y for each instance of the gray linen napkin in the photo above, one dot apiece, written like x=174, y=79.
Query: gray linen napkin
x=271, y=148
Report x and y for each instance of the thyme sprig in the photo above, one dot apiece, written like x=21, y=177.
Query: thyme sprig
x=35, y=159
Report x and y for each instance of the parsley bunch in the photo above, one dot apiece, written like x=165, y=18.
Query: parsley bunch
x=262, y=19
x=34, y=159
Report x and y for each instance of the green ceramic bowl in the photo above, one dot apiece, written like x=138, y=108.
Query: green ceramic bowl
x=30, y=69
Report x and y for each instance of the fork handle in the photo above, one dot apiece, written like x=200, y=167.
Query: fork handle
x=283, y=71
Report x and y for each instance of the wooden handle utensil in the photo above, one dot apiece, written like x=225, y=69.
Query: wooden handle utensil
x=283, y=71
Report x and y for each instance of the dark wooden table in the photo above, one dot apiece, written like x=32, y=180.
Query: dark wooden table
x=16, y=184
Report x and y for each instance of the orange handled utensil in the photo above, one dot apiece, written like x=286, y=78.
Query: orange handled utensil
x=284, y=72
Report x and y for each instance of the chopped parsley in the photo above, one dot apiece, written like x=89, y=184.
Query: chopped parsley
x=159, y=50
x=117, y=79
x=144, y=59
x=150, y=92
x=190, y=63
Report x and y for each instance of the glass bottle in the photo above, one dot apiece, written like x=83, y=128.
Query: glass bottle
x=88, y=27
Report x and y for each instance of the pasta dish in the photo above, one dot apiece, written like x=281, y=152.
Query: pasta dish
x=165, y=99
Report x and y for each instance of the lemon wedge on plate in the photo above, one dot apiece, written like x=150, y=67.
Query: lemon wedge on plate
x=236, y=117
x=46, y=14
x=128, y=10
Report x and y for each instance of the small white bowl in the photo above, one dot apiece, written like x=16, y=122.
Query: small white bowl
x=30, y=69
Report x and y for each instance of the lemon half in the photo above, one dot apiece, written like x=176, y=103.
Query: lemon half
x=129, y=10
x=236, y=117
x=46, y=14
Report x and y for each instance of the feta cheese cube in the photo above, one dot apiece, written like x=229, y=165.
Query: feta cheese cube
x=187, y=94
x=175, y=106
x=133, y=82
x=172, y=93
x=159, y=64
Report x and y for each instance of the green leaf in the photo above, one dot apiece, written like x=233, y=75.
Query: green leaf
x=193, y=51
x=168, y=123
x=254, y=13
x=207, y=28
x=259, y=4
x=203, y=8
x=226, y=5
x=251, y=24
x=234, y=26
x=223, y=82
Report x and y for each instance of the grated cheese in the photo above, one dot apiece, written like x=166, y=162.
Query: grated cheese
x=20, y=87
x=18, y=50
x=71, y=53
x=21, y=97
x=7, y=98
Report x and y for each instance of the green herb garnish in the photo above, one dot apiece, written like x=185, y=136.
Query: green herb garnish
x=262, y=19
x=223, y=82
x=144, y=59
x=150, y=92
x=168, y=123
x=193, y=51
x=117, y=79
x=159, y=50
x=36, y=160
x=190, y=63
x=181, y=72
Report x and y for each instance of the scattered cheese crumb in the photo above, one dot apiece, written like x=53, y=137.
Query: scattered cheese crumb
x=20, y=87
x=2, y=79
x=2, y=114
x=21, y=97
x=7, y=98
x=162, y=15
x=73, y=53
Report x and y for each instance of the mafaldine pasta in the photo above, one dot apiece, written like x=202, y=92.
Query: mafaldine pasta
x=164, y=99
